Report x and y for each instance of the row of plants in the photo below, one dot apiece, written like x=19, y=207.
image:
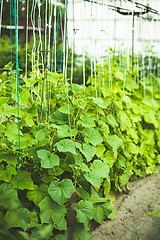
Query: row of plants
x=78, y=146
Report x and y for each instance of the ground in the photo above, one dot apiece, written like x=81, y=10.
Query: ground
x=131, y=222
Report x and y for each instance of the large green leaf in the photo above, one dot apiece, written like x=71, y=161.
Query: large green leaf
x=52, y=212
x=125, y=176
x=21, y=218
x=66, y=145
x=100, y=150
x=38, y=193
x=150, y=118
x=53, y=77
x=60, y=191
x=98, y=170
x=65, y=131
x=34, y=219
x=11, y=131
x=95, y=198
x=92, y=136
x=10, y=158
x=85, y=211
x=88, y=151
x=108, y=158
x=61, y=237
x=115, y=142
x=65, y=109
x=86, y=121
x=78, y=232
x=124, y=120
x=8, y=196
x=24, y=181
x=111, y=120
x=93, y=178
x=99, y=102
x=6, y=173
x=77, y=89
x=58, y=117
x=42, y=231
x=99, y=215
x=83, y=193
x=48, y=160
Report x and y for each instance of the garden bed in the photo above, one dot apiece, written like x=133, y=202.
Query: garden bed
x=131, y=222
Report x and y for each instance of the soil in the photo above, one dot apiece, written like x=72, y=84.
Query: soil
x=131, y=222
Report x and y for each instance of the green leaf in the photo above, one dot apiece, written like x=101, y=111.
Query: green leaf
x=60, y=191
x=30, y=81
x=112, y=215
x=6, y=173
x=41, y=134
x=79, y=232
x=115, y=142
x=95, y=198
x=100, y=168
x=42, y=231
x=112, y=121
x=122, y=161
x=10, y=158
x=52, y=212
x=86, y=121
x=99, y=102
x=119, y=75
x=38, y=193
x=124, y=120
x=20, y=219
x=64, y=109
x=58, y=117
x=48, y=160
x=124, y=179
x=92, y=136
x=2, y=128
x=65, y=131
x=24, y=182
x=34, y=219
x=66, y=145
x=53, y=77
x=61, y=237
x=100, y=150
x=149, y=117
x=88, y=151
x=85, y=211
x=29, y=121
x=11, y=131
x=93, y=178
x=83, y=193
x=109, y=158
x=106, y=187
x=78, y=159
x=76, y=88
x=99, y=215
x=8, y=196
x=3, y=100
x=84, y=167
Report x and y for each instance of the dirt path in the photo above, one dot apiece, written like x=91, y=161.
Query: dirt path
x=131, y=222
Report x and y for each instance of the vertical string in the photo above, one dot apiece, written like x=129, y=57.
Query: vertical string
x=26, y=38
x=64, y=37
x=49, y=32
x=73, y=43
x=83, y=44
x=11, y=49
x=1, y=16
x=17, y=72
